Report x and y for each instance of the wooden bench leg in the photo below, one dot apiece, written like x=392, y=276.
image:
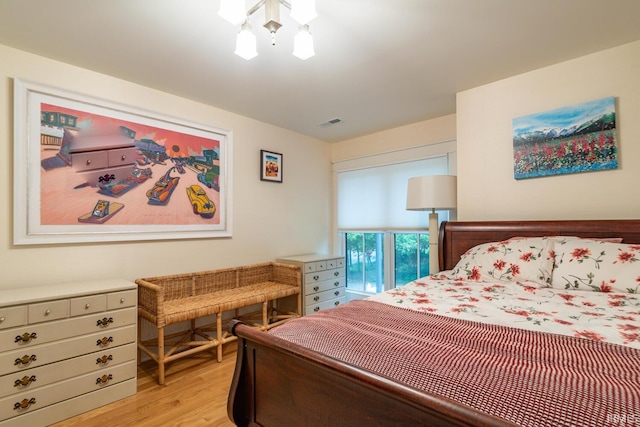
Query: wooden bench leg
x=265, y=315
x=219, y=335
x=161, y=356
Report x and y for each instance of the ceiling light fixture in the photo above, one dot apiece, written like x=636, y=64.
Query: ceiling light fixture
x=303, y=11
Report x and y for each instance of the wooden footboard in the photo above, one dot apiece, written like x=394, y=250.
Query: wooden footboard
x=277, y=383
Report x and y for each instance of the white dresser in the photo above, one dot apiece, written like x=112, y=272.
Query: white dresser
x=65, y=350
x=323, y=280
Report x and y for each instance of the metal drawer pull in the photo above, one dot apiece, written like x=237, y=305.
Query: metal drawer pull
x=336, y=293
x=336, y=283
x=336, y=273
x=316, y=288
x=121, y=300
x=316, y=298
x=25, y=381
x=316, y=309
x=337, y=303
x=104, y=321
x=24, y=404
x=316, y=277
x=87, y=306
x=47, y=312
x=104, y=379
x=89, y=161
x=2, y=319
x=26, y=337
x=104, y=360
x=123, y=157
x=25, y=360
x=104, y=341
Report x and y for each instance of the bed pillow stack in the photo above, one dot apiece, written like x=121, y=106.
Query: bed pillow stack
x=514, y=260
x=595, y=265
x=560, y=262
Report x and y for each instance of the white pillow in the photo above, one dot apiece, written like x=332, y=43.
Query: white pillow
x=519, y=259
x=591, y=265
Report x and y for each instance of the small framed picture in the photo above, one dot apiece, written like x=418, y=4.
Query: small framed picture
x=270, y=166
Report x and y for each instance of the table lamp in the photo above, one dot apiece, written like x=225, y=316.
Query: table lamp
x=432, y=192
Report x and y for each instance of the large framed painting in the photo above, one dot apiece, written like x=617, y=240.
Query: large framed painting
x=573, y=139
x=90, y=170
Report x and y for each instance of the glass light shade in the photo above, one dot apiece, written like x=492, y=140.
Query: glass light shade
x=246, y=42
x=303, y=11
x=233, y=11
x=303, y=43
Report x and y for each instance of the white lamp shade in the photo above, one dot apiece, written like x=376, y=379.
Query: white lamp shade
x=303, y=43
x=233, y=11
x=431, y=192
x=246, y=42
x=303, y=11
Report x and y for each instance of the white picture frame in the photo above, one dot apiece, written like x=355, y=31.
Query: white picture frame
x=94, y=170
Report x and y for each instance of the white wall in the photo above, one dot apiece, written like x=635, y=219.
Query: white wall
x=428, y=132
x=269, y=219
x=486, y=187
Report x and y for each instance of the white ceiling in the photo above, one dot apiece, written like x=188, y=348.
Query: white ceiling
x=379, y=64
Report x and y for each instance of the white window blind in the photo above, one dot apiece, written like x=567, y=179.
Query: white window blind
x=375, y=197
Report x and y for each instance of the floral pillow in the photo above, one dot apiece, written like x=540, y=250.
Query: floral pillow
x=519, y=259
x=598, y=266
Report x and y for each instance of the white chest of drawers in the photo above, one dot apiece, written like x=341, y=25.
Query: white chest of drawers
x=323, y=280
x=65, y=350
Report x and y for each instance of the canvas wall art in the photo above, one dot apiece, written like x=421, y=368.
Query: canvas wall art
x=90, y=170
x=573, y=139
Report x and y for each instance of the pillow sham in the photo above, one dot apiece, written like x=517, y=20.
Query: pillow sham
x=562, y=239
x=519, y=259
x=591, y=265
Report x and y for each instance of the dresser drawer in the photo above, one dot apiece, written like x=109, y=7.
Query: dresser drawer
x=122, y=299
x=90, y=160
x=48, y=395
x=50, y=310
x=122, y=156
x=320, y=276
x=335, y=263
x=26, y=358
x=324, y=305
x=321, y=297
x=89, y=304
x=31, y=335
x=312, y=288
x=30, y=379
x=13, y=316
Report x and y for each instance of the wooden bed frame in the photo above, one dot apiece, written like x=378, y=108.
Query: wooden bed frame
x=278, y=383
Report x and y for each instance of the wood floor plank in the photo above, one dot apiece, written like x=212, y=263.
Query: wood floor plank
x=194, y=394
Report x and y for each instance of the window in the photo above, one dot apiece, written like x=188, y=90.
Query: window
x=366, y=261
x=385, y=245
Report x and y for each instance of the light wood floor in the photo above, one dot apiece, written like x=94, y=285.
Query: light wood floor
x=194, y=394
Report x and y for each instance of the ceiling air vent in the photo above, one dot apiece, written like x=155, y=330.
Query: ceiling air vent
x=330, y=122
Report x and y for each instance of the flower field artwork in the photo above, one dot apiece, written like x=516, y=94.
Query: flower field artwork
x=573, y=139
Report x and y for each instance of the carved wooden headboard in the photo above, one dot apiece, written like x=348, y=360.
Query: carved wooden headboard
x=456, y=238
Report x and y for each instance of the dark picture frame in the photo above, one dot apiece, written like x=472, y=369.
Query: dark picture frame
x=271, y=165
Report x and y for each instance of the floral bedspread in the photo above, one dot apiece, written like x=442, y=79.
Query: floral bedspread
x=607, y=317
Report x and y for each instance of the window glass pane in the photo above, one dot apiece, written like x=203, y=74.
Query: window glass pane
x=406, y=258
x=424, y=255
x=374, y=262
x=354, y=249
x=365, y=262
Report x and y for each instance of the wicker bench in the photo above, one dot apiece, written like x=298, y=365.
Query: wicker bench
x=172, y=299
